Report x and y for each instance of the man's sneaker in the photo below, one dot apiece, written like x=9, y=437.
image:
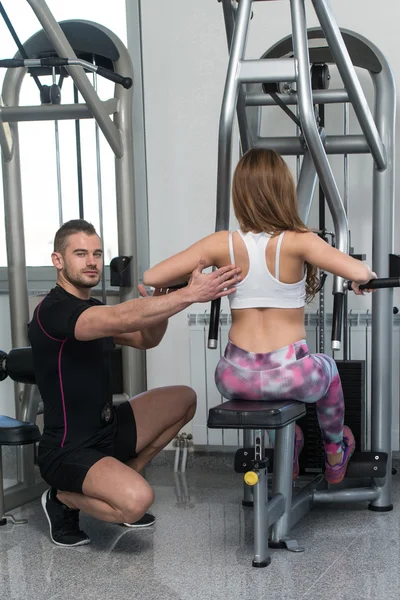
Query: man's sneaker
x=298, y=447
x=63, y=522
x=146, y=521
x=337, y=473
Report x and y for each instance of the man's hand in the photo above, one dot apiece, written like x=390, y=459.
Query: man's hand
x=204, y=287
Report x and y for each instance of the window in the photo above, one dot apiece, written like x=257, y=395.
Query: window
x=38, y=148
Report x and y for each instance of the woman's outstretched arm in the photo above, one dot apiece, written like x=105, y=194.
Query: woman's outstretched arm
x=315, y=251
x=178, y=268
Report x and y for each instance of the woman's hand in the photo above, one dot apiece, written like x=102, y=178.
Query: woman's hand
x=356, y=286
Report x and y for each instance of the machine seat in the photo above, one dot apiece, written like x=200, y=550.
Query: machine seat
x=246, y=414
x=15, y=433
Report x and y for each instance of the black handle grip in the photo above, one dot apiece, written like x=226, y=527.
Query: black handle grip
x=178, y=286
x=11, y=63
x=337, y=318
x=51, y=61
x=214, y=323
x=377, y=284
x=126, y=82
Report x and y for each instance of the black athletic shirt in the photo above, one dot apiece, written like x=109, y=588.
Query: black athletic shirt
x=74, y=377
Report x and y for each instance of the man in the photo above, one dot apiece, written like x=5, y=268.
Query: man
x=91, y=453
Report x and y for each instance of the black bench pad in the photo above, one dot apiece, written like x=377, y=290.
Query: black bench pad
x=245, y=414
x=15, y=433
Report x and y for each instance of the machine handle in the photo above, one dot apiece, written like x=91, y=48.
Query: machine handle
x=11, y=63
x=337, y=318
x=377, y=284
x=126, y=82
x=214, y=324
x=57, y=61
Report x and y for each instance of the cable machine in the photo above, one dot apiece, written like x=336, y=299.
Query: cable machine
x=282, y=76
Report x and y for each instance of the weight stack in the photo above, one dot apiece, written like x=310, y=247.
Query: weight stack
x=352, y=375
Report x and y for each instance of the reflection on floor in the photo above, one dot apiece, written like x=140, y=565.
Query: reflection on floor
x=201, y=549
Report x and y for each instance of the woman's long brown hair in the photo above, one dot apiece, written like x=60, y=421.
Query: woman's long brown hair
x=265, y=199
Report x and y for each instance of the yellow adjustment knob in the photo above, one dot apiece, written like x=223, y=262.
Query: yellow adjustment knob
x=251, y=478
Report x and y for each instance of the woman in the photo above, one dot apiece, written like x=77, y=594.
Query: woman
x=267, y=356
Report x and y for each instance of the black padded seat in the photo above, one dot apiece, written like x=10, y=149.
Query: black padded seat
x=246, y=414
x=16, y=433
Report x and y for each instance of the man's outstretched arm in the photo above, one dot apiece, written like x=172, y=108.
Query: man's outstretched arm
x=149, y=337
x=143, y=313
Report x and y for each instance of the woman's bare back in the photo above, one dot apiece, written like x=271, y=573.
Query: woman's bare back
x=267, y=329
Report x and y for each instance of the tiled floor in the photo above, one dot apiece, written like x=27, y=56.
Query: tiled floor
x=201, y=549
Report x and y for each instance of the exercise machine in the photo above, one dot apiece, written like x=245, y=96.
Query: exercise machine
x=282, y=76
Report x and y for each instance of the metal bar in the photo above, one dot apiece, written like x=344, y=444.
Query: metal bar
x=133, y=360
x=134, y=33
x=79, y=159
x=16, y=263
x=64, y=50
x=2, y=509
x=334, y=144
x=382, y=302
x=52, y=112
x=29, y=403
x=276, y=508
x=58, y=167
x=303, y=502
x=282, y=478
x=248, y=442
x=319, y=97
x=229, y=19
x=346, y=131
x=321, y=226
x=266, y=70
x=58, y=164
x=350, y=495
x=99, y=193
x=298, y=157
x=248, y=129
x=310, y=131
x=261, y=554
x=348, y=73
x=227, y=114
x=6, y=138
x=14, y=225
x=306, y=186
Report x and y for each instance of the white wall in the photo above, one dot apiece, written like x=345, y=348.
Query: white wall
x=185, y=60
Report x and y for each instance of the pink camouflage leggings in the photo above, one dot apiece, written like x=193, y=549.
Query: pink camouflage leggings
x=290, y=373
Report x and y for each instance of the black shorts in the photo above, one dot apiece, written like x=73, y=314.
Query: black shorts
x=66, y=469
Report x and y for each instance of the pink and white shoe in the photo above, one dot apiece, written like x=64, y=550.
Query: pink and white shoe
x=336, y=474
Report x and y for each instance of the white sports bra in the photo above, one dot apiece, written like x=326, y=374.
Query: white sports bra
x=259, y=289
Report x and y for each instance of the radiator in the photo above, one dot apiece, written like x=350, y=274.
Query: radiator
x=203, y=362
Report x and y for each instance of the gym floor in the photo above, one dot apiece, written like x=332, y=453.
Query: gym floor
x=201, y=549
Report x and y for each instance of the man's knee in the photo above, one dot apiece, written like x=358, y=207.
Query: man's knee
x=136, y=502
x=189, y=400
